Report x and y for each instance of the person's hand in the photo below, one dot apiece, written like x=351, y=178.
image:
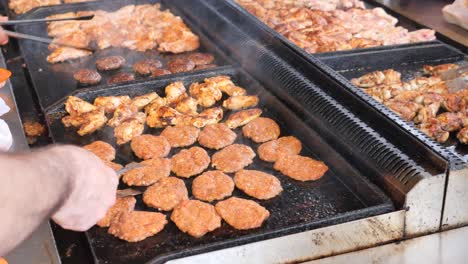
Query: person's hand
x=3, y=36
x=93, y=188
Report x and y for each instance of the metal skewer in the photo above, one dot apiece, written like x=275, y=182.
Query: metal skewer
x=43, y=20
x=43, y=40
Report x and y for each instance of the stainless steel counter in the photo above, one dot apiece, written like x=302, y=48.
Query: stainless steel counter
x=39, y=248
x=429, y=14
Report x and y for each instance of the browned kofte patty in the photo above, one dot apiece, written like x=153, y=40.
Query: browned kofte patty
x=166, y=194
x=149, y=146
x=201, y=58
x=153, y=171
x=135, y=226
x=195, y=218
x=233, y=158
x=87, y=76
x=212, y=185
x=261, y=130
x=110, y=63
x=190, y=162
x=242, y=214
x=121, y=77
x=180, y=65
x=181, y=136
x=159, y=72
x=258, y=184
x=216, y=136
x=122, y=204
x=300, y=168
x=146, y=66
x=102, y=150
x=270, y=151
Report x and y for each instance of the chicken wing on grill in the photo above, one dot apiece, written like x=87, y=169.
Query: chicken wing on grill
x=164, y=116
x=206, y=94
x=439, y=69
x=208, y=117
x=387, y=77
x=433, y=129
x=123, y=113
x=175, y=92
x=242, y=117
x=407, y=110
x=187, y=106
x=128, y=130
x=111, y=103
x=225, y=85
x=463, y=135
x=240, y=102
x=142, y=101
x=77, y=106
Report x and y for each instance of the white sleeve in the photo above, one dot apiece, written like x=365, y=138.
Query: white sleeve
x=3, y=107
x=6, y=140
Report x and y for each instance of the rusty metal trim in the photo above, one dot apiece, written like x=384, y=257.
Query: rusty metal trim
x=322, y=242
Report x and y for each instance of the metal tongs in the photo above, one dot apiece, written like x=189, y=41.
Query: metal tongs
x=17, y=35
x=129, y=191
x=456, y=79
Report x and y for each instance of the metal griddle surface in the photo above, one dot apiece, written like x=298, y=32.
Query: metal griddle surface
x=402, y=21
x=343, y=194
x=53, y=82
x=410, y=70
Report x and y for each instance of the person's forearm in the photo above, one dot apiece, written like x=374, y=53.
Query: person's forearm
x=32, y=186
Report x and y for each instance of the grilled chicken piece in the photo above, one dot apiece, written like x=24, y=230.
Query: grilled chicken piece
x=454, y=102
x=78, y=39
x=422, y=35
x=128, y=130
x=76, y=106
x=225, y=85
x=208, y=117
x=175, y=92
x=187, y=106
x=429, y=98
x=65, y=53
x=87, y=122
x=178, y=38
x=142, y=101
x=155, y=105
x=406, y=110
x=463, y=135
x=123, y=113
x=92, y=121
x=421, y=82
x=240, y=102
x=242, y=117
x=434, y=130
x=164, y=116
x=439, y=69
x=23, y=6
x=403, y=96
x=387, y=77
x=206, y=94
x=450, y=121
x=427, y=112
x=110, y=103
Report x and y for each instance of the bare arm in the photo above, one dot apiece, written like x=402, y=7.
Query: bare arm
x=66, y=183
